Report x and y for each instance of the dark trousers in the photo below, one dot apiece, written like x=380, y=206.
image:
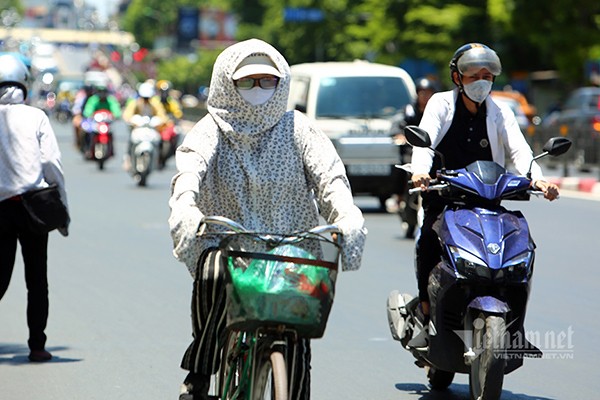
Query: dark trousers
x=428, y=249
x=208, y=326
x=34, y=249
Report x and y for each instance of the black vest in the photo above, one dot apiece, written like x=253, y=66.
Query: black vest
x=466, y=140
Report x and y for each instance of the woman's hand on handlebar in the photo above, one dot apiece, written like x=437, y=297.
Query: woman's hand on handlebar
x=550, y=190
x=421, y=181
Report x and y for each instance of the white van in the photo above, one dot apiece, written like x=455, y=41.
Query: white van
x=354, y=103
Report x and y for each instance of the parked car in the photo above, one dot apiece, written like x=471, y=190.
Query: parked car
x=525, y=124
x=529, y=109
x=579, y=120
x=355, y=104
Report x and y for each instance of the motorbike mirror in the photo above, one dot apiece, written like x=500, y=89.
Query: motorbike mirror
x=556, y=146
x=416, y=136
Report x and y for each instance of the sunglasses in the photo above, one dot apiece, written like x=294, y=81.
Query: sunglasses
x=249, y=83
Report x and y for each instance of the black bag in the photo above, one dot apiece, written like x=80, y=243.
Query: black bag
x=45, y=209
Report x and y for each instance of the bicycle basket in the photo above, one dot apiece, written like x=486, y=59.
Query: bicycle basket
x=273, y=283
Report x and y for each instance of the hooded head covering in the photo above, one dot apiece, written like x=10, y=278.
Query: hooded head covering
x=231, y=112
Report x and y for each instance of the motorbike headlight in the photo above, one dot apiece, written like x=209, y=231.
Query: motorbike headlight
x=518, y=268
x=469, y=265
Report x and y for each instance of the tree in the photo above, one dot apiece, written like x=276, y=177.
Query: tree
x=149, y=19
x=11, y=12
x=565, y=34
x=527, y=34
x=17, y=5
x=188, y=73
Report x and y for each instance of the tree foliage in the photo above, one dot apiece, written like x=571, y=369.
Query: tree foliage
x=15, y=4
x=528, y=34
x=188, y=73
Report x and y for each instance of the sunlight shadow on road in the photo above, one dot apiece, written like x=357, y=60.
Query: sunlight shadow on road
x=455, y=392
x=17, y=354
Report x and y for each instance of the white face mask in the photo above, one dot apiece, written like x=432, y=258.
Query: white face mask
x=256, y=95
x=478, y=90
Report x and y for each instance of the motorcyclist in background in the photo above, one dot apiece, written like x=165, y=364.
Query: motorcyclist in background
x=169, y=102
x=170, y=131
x=425, y=89
x=79, y=103
x=146, y=104
x=102, y=100
x=408, y=205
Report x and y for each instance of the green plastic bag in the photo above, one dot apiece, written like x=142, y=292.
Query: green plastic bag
x=281, y=291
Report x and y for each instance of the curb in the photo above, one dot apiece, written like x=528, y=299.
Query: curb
x=587, y=185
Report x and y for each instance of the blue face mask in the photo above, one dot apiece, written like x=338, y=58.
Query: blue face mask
x=256, y=95
x=478, y=91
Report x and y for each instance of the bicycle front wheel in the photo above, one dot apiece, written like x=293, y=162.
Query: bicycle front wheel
x=270, y=377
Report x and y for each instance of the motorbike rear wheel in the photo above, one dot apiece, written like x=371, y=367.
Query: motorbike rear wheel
x=487, y=370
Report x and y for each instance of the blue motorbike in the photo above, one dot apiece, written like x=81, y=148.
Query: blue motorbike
x=480, y=288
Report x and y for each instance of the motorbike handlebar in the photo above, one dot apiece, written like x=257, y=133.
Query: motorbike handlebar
x=538, y=193
x=437, y=187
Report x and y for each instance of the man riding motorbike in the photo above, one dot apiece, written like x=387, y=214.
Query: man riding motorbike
x=465, y=125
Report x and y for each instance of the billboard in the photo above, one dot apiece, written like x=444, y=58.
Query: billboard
x=187, y=26
x=217, y=27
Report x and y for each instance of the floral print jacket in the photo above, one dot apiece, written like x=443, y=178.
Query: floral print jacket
x=262, y=166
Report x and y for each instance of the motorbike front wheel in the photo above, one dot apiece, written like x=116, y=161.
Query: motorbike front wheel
x=487, y=370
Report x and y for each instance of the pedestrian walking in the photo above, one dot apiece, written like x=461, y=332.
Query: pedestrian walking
x=29, y=160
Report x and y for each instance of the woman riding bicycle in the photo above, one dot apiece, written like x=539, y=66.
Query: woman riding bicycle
x=270, y=170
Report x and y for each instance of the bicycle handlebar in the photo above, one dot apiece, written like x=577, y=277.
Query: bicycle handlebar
x=238, y=228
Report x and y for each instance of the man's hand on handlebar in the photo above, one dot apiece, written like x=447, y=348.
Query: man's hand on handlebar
x=550, y=190
x=421, y=181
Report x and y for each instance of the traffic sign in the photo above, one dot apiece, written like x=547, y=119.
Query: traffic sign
x=295, y=14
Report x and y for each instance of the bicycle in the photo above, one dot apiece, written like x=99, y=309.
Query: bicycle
x=280, y=289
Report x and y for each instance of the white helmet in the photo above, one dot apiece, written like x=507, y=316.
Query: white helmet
x=146, y=90
x=475, y=56
x=13, y=71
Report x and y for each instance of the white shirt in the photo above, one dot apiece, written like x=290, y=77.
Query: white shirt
x=29, y=152
x=503, y=131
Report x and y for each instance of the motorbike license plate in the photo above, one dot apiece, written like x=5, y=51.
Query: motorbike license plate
x=369, y=169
